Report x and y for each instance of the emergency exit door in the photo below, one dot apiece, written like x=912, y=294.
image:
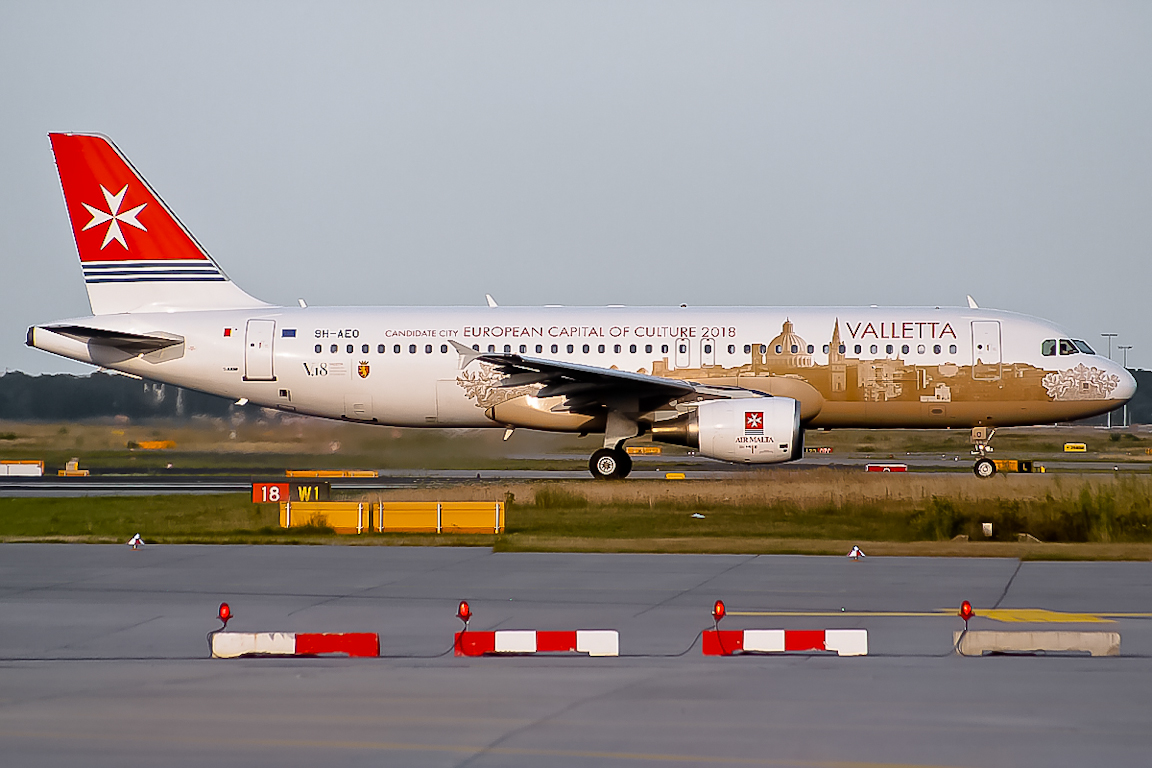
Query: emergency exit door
x=258, y=337
x=986, y=360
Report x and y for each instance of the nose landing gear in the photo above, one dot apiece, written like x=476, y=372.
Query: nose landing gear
x=981, y=439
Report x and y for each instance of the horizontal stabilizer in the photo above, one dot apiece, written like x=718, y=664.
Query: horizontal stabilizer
x=131, y=343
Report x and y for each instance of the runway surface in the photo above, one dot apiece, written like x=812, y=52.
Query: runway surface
x=103, y=661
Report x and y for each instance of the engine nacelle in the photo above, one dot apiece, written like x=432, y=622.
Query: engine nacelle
x=753, y=430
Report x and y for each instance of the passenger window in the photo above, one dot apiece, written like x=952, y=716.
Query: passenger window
x=507, y=349
x=647, y=349
x=844, y=349
x=474, y=346
x=683, y=349
x=335, y=349
x=349, y=349
x=827, y=348
x=585, y=348
x=920, y=349
x=1048, y=347
x=539, y=349
x=888, y=349
x=951, y=349
x=396, y=349
x=443, y=349
x=632, y=348
x=857, y=348
x=570, y=349
x=874, y=349
x=319, y=349
x=707, y=349
x=364, y=349
x=523, y=348
x=555, y=349
x=600, y=349
x=616, y=348
x=763, y=349
x=811, y=349
x=427, y=349
x=904, y=349
x=491, y=347
x=747, y=349
x=663, y=349
x=779, y=349
x=411, y=349
x=731, y=349
x=380, y=349
x=936, y=349
x=1067, y=347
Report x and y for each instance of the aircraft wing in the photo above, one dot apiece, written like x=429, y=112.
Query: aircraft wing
x=587, y=388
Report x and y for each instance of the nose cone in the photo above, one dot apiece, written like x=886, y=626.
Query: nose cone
x=1127, y=386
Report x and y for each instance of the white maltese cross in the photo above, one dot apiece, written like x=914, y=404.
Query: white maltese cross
x=114, y=217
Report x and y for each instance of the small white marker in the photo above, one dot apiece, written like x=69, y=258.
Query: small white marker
x=856, y=553
x=697, y=515
x=136, y=542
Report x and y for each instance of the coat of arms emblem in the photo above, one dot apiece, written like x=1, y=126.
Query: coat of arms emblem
x=363, y=369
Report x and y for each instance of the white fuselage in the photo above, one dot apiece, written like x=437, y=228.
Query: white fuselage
x=900, y=366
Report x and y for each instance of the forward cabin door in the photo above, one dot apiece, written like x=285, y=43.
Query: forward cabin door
x=986, y=360
x=258, y=338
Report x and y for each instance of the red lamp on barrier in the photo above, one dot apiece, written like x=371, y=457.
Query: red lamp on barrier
x=718, y=612
x=966, y=613
x=464, y=613
x=224, y=614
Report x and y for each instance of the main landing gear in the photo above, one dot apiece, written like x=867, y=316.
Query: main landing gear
x=984, y=466
x=610, y=464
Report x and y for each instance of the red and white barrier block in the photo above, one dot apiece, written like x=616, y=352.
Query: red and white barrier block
x=231, y=645
x=727, y=642
x=594, y=642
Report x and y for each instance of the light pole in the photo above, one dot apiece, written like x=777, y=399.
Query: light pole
x=1124, y=348
x=1109, y=336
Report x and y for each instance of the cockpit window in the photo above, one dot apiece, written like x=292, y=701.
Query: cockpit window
x=1048, y=348
x=1067, y=347
x=1083, y=347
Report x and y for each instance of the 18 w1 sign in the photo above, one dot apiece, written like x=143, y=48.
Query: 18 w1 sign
x=274, y=493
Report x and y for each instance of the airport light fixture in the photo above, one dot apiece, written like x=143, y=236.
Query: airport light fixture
x=224, y=614
x=966, y=613
x=718, y=612
x=464, y=613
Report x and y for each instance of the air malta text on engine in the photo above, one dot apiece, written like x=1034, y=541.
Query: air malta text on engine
x=914, y=330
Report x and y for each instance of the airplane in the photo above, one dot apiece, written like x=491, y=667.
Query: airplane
x=737, y=384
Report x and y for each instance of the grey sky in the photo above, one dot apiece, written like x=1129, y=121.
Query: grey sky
x=612, y=152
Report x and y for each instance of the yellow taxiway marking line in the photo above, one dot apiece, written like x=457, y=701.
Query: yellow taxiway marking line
x=1018, y=615
x=394, y=746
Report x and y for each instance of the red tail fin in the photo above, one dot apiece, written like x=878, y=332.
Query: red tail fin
x=135, y=253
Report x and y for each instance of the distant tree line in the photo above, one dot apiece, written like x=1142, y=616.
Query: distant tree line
x=65, y=397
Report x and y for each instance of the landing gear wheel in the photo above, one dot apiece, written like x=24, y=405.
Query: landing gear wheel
x=610, y=464
x=984, y=468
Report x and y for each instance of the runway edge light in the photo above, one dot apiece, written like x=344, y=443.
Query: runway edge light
x=464, y=613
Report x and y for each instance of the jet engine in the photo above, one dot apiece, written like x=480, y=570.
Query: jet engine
x=752, y=430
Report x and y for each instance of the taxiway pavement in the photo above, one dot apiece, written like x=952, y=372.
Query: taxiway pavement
x=103, y=661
